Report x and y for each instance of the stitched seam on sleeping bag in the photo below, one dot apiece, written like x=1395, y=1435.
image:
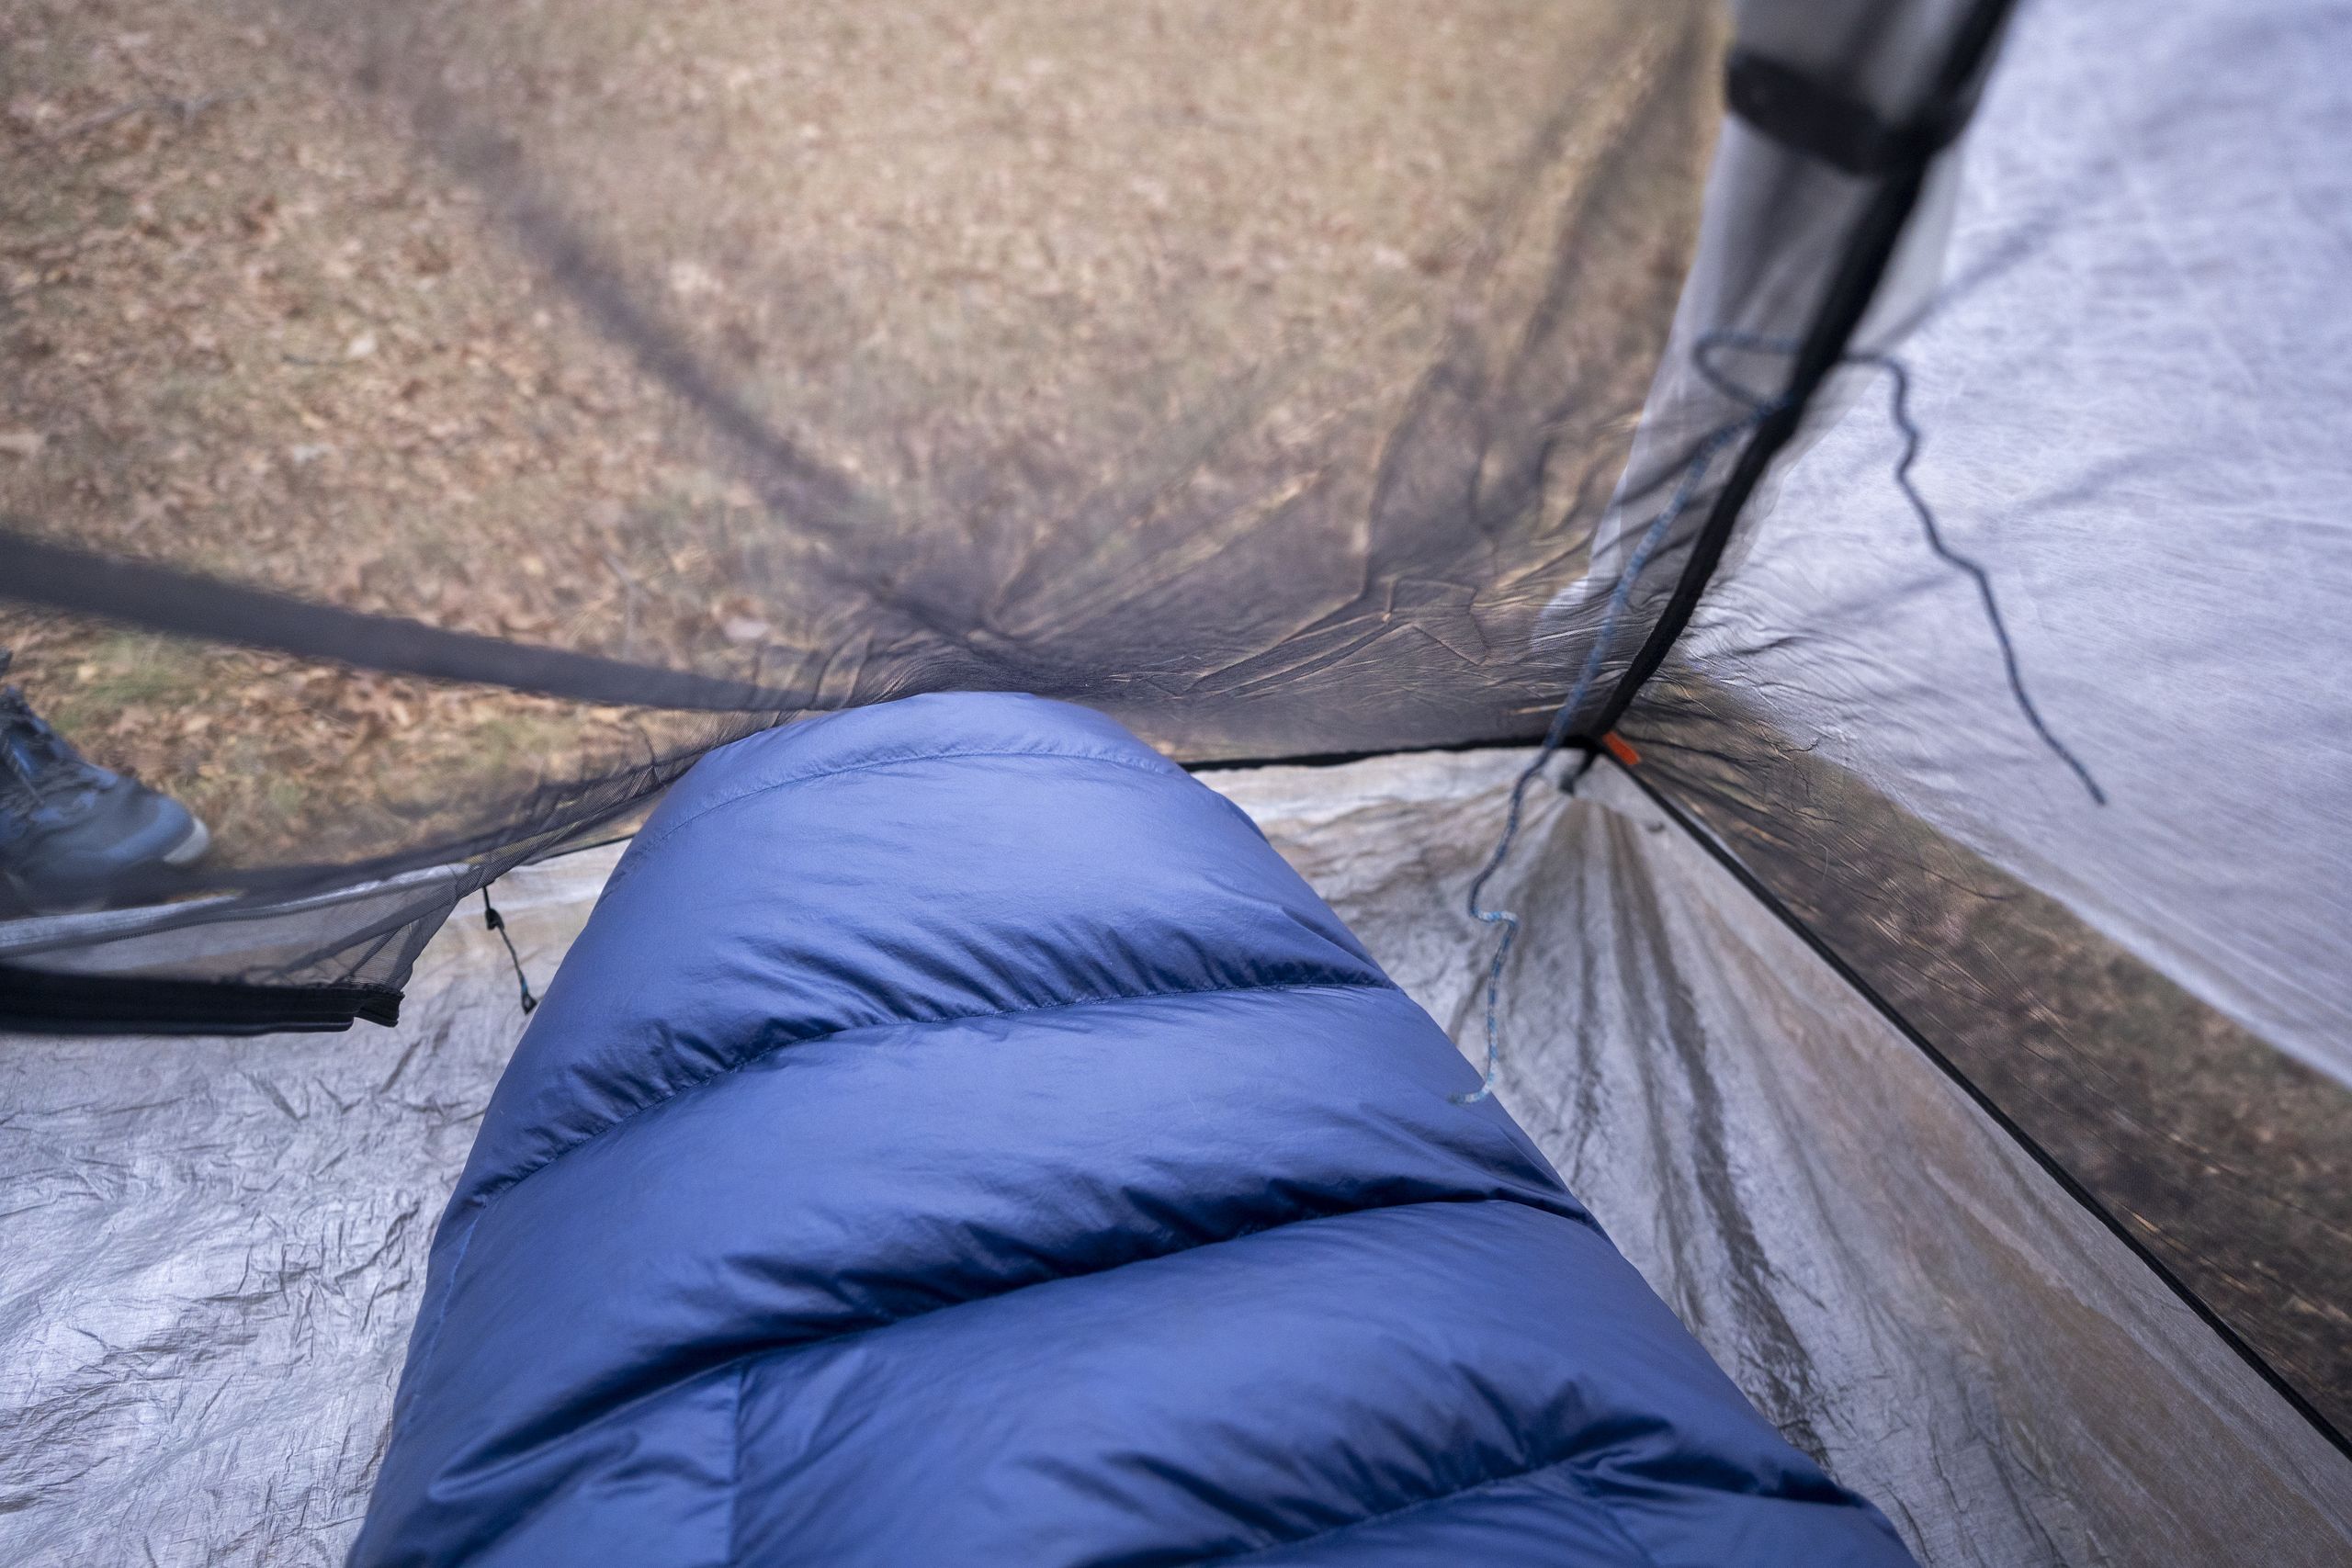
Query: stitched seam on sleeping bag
x=480, y=1202
x=735, y=1465
x=1239, y=1233
x=1574, y=1464
x=742, y=1360
x=1158, y=769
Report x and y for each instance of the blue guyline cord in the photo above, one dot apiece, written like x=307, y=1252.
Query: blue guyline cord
x=1618, y=597
x=1759, y=407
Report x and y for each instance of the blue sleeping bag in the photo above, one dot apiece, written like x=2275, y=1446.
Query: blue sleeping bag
x=958, y=1138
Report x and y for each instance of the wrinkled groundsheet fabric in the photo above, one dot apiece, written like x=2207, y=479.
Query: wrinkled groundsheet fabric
x=958, y=1137
x=215, y=1249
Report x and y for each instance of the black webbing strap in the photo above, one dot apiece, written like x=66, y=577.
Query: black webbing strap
x=49, y=1002
x=1784, y=104
x=183, y=604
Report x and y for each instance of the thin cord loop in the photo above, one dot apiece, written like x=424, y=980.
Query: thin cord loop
x=1899, y=410
x=1557, y=736
x=497, y=922
x=1759, y=407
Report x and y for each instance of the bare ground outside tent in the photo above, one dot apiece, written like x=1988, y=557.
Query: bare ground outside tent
x=286, y=303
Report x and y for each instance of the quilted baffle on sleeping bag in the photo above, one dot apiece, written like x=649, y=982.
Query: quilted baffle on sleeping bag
x=958, y=1138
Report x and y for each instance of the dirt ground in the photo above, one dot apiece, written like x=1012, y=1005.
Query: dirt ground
x=248, y=331
x=454, y=313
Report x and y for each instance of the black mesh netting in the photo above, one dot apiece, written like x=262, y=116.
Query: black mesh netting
x=427, y=428
x=1258, y=375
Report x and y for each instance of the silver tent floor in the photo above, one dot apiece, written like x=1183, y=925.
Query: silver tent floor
x=209, y=1250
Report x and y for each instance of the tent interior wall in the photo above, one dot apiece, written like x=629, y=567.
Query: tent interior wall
x=1911, y=500
x=254, y=1241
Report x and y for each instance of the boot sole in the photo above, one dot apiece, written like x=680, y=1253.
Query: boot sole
x=189, y=850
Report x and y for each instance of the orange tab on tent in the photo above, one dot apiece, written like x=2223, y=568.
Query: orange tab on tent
x=1616, y=746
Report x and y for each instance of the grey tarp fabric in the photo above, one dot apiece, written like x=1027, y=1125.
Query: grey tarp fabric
x=2118, y=317
x=215, y=1248
x=2133, y=388
x=221, y=1242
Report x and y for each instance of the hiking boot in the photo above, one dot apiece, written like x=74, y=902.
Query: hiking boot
x=77, y=836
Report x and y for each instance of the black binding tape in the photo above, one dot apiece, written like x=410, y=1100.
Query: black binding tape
x=1784, y=104
x=46, y=1001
